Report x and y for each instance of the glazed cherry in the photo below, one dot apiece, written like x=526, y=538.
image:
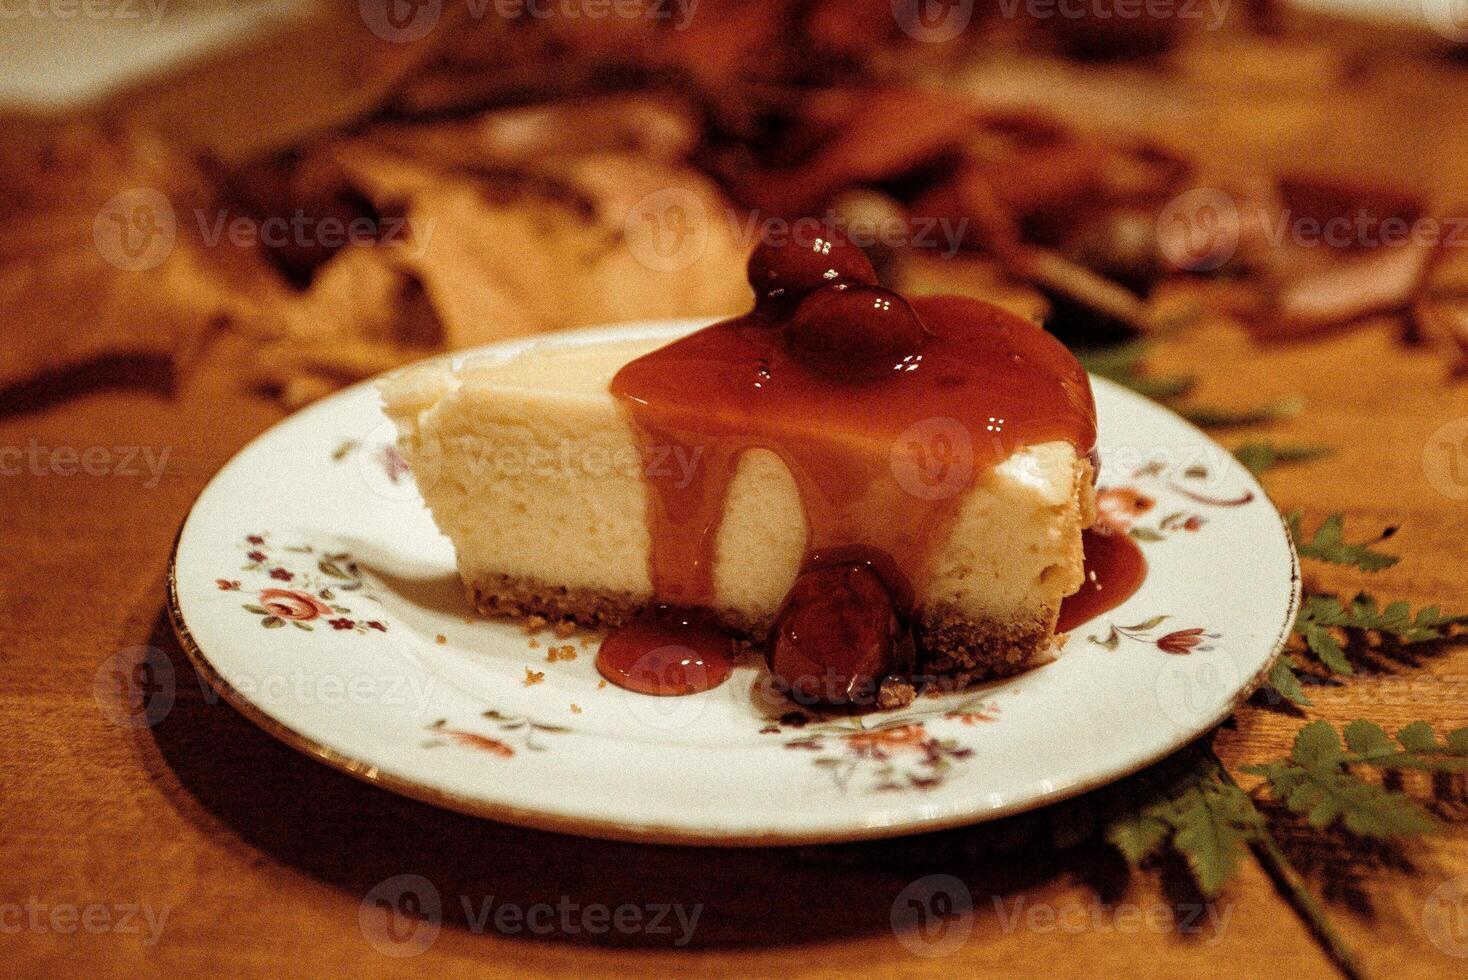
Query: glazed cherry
x=837, y=636
x=784, y=274
x=859, y=333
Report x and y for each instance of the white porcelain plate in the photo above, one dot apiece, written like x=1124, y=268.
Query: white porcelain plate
x=312, y=589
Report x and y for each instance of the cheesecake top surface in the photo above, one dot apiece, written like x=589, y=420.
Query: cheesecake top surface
x=564, y=369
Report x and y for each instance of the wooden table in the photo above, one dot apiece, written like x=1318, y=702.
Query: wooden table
x=259, y=859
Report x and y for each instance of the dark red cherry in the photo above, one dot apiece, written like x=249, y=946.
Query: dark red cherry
x=783, y=274
x=837, y=636
x=860, y=333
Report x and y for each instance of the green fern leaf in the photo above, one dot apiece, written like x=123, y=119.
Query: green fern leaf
x=1317, y=744
x=1265, y=454
x=1209, y=417
x=1286, y=682
x=1328, y=544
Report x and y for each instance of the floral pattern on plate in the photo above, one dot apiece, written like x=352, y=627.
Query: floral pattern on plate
x=1179, y=642
x=1120, y=509
x=313, y=595
x=884, y=755
x=516, y=728
x=385, y=455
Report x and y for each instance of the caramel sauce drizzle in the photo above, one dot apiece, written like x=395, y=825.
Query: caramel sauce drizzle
x=881, y=465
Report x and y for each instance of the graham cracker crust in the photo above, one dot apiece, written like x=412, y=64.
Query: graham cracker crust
x=950, y=646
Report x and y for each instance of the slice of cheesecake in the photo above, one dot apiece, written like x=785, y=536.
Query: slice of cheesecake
x=531, y=468
x=842, y=472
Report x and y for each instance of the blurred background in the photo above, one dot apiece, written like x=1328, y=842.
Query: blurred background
x=213, y=212
x=327, y=188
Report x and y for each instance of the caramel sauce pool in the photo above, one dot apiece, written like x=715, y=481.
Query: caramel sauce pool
x=1115, y=568
x=667, y=652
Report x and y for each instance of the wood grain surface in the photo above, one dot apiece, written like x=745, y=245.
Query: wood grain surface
x=253, y=860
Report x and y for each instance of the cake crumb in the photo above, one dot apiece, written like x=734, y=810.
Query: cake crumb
x=440, y=639
x=895, y=693
x=533, y=624
x=575, y=709
x=585, y=642
x=601, y=685
x=564, y=628
x=534, y=643
x=567, y=652
x=533, y=676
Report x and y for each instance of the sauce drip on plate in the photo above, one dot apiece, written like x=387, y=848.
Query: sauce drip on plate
x=667, y=651
x=1115, y=568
